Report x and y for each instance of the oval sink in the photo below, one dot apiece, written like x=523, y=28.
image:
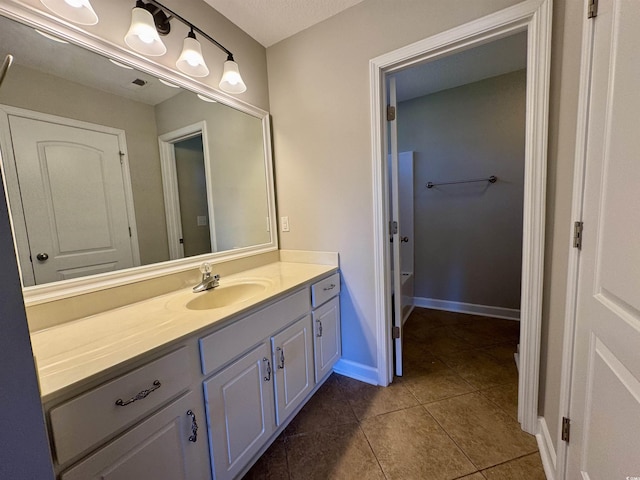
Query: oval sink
x=225, y=295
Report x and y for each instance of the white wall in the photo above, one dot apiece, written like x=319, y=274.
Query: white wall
x=319, y=95
x=468, y=237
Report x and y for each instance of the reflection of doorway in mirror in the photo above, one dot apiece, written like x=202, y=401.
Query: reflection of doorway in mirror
x=192, y=196
x=187, y=189
x=72, y=206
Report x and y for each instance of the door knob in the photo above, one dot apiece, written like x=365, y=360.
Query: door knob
x=43, y=257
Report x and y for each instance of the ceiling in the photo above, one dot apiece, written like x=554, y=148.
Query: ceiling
x=270, y=21
x=489, y=60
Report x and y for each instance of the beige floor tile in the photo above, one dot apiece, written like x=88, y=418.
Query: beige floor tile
x=441, y=341
x=475, y=476
x=369, y=400
x=409, y=444
x=429, y=381
x=506, y=397
x=481, y=369
x=338, y=453
x=327, y=408
x=486, y=434
x=272, y=465
x=525, y=468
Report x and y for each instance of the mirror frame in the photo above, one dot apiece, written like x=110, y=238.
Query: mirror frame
x=41, y=20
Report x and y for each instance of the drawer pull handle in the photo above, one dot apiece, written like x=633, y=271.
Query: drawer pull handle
x=319, y=334
x=194, y=427
x=330, y=287
x=268, y=377
x=140, y=395
x=281, y=364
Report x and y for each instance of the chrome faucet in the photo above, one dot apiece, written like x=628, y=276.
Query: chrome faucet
x=208, y=281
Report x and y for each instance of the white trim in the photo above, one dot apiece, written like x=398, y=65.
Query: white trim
x=357, y=371
x=547, y=452
x=579, y=168
x=49, y=23
x=17, y=213
x=472, y=308
x=535, y=17
x=170, y=185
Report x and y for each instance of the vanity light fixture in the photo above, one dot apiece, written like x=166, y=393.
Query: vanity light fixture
x=206, y=99
x=168, y=84
x=146, y=22
x=76, y=11
x=191, y=61
x=121, y=65
x=152, y=15
x=50, y=37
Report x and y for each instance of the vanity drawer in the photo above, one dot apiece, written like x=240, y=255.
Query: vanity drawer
x=224, y=345
x=92, y=417
x=325, y=289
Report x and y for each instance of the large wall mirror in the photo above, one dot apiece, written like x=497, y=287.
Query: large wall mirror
x=109, y=168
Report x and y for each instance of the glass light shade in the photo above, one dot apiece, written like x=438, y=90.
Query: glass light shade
x=142, y=35
x=231, y=81
x=191, y=61
x=76, y=11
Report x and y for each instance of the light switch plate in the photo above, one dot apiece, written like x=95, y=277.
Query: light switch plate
x=284, y=224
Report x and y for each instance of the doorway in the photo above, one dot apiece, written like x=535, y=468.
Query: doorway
x=534, y=19
x=187, y=188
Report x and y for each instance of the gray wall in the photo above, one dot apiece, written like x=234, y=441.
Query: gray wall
x=468, y=237
x=319, y=94
x=24, y=446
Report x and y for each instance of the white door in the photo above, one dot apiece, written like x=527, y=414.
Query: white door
x=395, y=236
x=73, y=196
x=605, y=396
x=405, y=203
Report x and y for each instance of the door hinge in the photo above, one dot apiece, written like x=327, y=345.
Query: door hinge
x=121, y=157
x=577, y=234
x=592, y=9
x=130, y=232
x=391, y=113
x=566, y=427
x=393, y=227
x=395, y=332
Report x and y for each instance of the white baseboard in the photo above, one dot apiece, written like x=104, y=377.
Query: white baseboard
x=547, y=452
x=461, y=307
x=357, y=371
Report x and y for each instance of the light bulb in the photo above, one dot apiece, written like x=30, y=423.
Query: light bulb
x=74, y=3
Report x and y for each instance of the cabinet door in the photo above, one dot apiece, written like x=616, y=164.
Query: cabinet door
x=163, y=447
x=293, y=362
x=326, y=324
x=240, y=412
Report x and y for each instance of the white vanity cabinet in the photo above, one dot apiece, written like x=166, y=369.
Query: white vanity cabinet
x=148, y=416
x=326, y=324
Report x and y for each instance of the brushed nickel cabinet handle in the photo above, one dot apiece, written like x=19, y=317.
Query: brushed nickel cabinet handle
x=281, y=364
x=268, y=377
x=330, y=287
x=319, y=334
x=194, y=427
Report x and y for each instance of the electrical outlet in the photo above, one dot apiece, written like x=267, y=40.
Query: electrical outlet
x=284, y=224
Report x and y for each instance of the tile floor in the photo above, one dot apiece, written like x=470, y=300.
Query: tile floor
x=451, y=416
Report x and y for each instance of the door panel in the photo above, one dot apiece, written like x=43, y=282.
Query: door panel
x=605, y=396
x=73, y=196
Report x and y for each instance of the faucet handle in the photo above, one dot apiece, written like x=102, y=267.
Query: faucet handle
x=205, y=268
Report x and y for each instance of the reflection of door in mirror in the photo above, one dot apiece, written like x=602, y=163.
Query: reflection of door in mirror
x=192, y=196
x=74, y=197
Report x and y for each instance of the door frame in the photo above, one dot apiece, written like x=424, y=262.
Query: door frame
x=533, y=16
x=8, y=163
x=170, y=185
x=573, y=269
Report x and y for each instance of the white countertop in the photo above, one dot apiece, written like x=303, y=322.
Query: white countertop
x=76, y=351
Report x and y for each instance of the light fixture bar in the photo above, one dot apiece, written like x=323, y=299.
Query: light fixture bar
x=173, y=14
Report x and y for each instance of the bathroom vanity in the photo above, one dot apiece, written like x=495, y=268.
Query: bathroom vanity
x=189, y=385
